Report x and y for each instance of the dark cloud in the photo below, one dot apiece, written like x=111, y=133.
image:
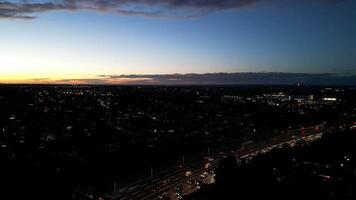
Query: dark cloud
x=23, y=9
x=27, y=9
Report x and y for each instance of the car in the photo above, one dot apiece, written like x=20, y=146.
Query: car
x=212, y=172
x=188, y=173
x=210, y=159
x=178, y=194
x=204, y=175
x=179, y=188
x=191, y=182
x=164, y=196
x=154, y=189
x=198, y=184
x=165, y=181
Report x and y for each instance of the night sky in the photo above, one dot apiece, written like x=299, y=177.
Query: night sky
x=86, y=41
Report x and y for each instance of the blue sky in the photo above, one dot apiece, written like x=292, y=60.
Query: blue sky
x=267, y=36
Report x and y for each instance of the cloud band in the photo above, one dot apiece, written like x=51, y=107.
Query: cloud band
x=27, y=9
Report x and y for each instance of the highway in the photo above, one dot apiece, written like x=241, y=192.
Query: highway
x=166, y=184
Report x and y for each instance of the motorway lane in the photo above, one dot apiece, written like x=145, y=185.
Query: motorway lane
x=172, y=186
x=145, y=190
x=196, y=176
x=130, y=192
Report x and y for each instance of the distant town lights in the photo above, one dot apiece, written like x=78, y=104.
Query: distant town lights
x=329, y=99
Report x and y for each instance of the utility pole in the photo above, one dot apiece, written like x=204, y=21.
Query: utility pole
x=183, y=160
x=115, y=186
x=151, y=172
